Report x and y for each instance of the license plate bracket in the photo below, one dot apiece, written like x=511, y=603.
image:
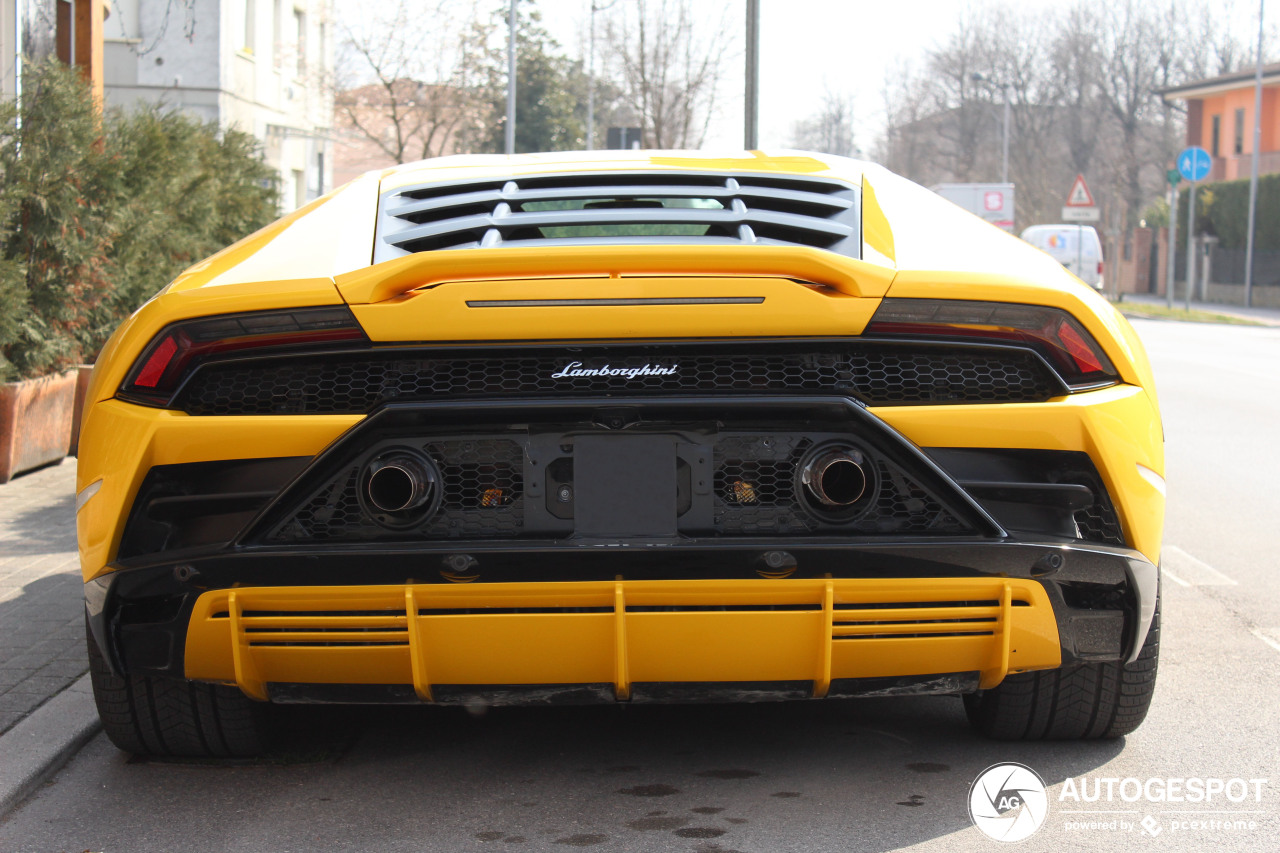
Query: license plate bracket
x=624, y=485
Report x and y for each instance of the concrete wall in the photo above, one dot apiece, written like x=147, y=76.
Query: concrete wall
x=1233, y=294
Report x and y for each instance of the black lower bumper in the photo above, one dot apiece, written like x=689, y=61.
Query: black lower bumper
x=1102, y=596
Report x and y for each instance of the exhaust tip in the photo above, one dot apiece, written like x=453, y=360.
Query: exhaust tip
x=399, y=483
x=836, y=478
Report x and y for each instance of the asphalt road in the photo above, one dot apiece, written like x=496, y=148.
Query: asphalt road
x=866, y=775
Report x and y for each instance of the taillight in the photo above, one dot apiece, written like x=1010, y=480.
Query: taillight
x=181, y=347
x=1053, y=333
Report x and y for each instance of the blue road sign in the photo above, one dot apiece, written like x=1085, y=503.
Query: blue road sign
x=1194, y=163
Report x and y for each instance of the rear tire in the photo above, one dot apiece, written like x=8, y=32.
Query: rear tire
x=1082, y=702
x=148, y=715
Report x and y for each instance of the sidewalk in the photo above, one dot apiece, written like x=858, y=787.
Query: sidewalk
x=41, y=594
x=46, y=708
x=1266, y=316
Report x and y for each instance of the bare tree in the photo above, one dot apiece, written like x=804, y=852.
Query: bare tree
x=1213, y=46
x=1082, y=85
x=1134, y=45
x=903, y=149
x=668, y=67
x=410, y=80
x=830, y=130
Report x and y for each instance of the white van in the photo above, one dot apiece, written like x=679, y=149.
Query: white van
x=1076, y=247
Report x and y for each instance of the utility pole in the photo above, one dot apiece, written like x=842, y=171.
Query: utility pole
x=511, y=81
x=1191, y=242
x=1004, y=158
x=751, y=106
x=1253, y=167
x=1173, y=236
x=591, y=81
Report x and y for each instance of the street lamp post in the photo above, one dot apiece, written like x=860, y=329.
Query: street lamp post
x=511, y=82
x=751, y=107
x=591, y=81
x=1004, y=157
x=591, y=73
x=1253, y=165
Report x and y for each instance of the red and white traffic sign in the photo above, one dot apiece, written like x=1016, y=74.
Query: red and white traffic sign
x=1080, y=195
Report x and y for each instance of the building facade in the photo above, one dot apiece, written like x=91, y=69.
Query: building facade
x=1220, y=120
x=261, y=66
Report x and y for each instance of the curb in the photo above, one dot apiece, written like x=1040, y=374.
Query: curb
x=38, y=746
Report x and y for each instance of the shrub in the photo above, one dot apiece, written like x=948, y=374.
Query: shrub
x=56, y=200
x=98, y=213
x=1227, y=214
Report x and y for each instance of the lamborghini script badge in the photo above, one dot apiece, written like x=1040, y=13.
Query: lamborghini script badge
x=575, y=369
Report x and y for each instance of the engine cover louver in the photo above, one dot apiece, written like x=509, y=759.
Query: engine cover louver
x=620, y=208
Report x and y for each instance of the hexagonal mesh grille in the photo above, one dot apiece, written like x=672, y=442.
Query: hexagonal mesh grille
x=1099, y=522
x=482, y=484
x=756, y=493
x=878, y=374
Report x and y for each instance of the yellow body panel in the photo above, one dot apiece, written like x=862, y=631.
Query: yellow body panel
x=253, y=636
x=120, y=442
x=427, y=269
x=454, y=312
x=1112, y=425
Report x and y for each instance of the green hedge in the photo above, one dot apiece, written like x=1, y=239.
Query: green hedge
x=97, y=213
x=1222, y=209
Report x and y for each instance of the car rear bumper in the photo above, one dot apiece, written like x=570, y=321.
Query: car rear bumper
x=385, y=625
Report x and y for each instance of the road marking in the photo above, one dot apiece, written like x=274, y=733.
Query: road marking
x=1257, y=632
x=1186, y=570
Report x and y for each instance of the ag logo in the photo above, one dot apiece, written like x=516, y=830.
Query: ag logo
x=1007, y=802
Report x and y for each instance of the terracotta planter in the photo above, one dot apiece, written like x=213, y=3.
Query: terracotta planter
x=35, y=422
x=83, y=372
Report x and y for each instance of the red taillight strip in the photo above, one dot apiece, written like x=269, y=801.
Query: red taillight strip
x=1053, y=333
x=180, y=348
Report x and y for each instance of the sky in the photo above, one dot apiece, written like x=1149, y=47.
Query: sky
x=810, y=47
x=807, y=48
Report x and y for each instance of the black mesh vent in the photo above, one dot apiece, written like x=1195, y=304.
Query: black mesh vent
x=482, y=483
x=584, y=208
x=1099, y=522
x=877, y=374
x=756, y=493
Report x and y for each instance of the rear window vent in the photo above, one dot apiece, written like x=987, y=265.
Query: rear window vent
x=579, y=209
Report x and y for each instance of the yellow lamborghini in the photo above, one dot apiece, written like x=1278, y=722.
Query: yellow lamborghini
x=621, y=427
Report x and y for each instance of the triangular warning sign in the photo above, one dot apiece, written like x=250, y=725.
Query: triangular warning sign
x=1079, y=195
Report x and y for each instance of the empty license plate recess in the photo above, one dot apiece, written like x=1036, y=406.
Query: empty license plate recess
x=625, y=485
